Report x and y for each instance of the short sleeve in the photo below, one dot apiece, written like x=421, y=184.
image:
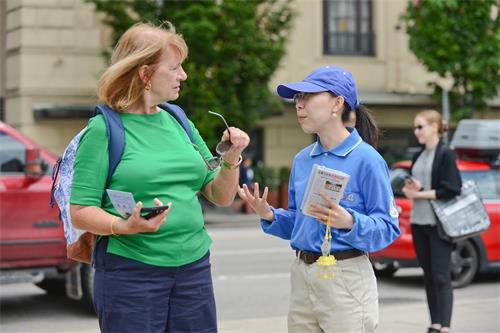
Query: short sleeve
x=91, y=165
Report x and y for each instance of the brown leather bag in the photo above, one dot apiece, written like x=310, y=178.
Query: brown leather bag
x=81, y=250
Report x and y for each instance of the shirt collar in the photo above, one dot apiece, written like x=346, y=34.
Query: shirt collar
x=342, y=149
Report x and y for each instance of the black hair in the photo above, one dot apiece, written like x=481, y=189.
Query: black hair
x=365, y=124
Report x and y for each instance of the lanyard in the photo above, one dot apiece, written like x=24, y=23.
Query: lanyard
x=327, y=259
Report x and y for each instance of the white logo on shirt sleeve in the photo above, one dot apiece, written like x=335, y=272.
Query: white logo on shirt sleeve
x=394, y=210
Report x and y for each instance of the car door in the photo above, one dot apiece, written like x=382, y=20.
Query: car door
x=30, y=231
x=488, y=182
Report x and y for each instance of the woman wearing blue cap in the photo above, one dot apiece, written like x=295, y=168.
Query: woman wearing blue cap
x=365, y=220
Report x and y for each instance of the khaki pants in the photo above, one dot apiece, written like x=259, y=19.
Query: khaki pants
x=346, y=304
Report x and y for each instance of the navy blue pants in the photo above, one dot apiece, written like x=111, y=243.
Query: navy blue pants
x=130, y=296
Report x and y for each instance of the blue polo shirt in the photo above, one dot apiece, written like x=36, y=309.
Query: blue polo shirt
x=368, y=197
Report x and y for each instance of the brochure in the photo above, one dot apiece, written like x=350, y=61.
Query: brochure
x=123, y=202
x=322, y=179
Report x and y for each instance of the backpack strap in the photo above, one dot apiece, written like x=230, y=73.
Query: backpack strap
x=178, y=113
x=116, y=136
x=55, y=175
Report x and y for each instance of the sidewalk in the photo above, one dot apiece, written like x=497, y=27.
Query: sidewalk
x=469, y=316
x=225, y=216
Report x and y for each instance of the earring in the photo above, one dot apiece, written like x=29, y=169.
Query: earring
x=148, y=86
x=334, y=115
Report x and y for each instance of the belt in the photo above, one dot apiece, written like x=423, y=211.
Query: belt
x=311, y=257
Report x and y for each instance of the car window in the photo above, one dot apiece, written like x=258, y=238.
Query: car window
x=12, y=154
x=488, y=182
x=397, y=176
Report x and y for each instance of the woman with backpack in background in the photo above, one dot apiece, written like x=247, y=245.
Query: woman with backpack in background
x=365, y=220
x=435, y=175
x=151, y=275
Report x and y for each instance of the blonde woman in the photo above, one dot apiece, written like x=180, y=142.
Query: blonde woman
x=434, y=176
x=152, y=275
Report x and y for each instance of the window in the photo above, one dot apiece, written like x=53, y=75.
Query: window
x=12, y=154
x=488, y=182
x=397, y=177
x=348, y=27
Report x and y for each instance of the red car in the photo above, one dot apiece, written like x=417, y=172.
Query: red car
x=477, y=254
x=32, y=243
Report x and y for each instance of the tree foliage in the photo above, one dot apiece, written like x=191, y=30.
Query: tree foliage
x=234, y=48
x=460, y=38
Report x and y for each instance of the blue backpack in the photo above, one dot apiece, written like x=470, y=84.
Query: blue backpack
x=80, y=243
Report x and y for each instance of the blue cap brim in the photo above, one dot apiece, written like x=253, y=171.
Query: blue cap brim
x=288, y=90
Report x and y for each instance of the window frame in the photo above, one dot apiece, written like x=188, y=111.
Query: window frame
x=20, y=157
x=328, y=49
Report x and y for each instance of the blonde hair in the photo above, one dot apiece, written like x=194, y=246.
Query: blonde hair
x=120, y=86
x=434, y=117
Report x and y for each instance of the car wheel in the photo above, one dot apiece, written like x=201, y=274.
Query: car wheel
x=384, y=270
x=87, y=275
x=53, y=286
x=464, y=264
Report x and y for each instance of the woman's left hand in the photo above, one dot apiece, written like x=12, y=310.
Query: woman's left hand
x=239, y=141
x=340, y=218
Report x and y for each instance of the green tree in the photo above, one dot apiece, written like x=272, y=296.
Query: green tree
x=234, y=48
x=460, y=38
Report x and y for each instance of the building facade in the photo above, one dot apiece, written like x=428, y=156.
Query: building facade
x=50, y=61
x=364, y=37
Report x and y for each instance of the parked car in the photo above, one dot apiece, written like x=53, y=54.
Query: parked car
x=32, y=243
x=477, y=143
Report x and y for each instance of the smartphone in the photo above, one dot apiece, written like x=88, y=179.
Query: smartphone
x=409, y=179
x=149, y=212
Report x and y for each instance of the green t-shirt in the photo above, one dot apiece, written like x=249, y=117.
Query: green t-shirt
x=158, y=161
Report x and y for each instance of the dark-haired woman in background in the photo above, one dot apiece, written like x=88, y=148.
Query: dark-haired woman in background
x=365, y=220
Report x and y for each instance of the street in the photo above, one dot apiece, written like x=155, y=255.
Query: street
x=251, y=279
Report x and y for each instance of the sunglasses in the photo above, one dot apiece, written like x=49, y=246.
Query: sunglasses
x=302, y=96
x=211, y=163
x=223, y=146
x=418, y=127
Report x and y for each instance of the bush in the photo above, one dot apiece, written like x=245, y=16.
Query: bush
x=266, y=176
x=284, y=175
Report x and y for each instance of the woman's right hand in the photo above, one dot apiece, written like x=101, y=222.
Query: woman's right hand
x=259, y=204
x=413, y=184
x=137, y=224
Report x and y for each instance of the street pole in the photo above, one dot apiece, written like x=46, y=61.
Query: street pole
x=446, y=113
x=446, y=83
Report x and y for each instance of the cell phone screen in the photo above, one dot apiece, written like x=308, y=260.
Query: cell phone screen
x=149, y=212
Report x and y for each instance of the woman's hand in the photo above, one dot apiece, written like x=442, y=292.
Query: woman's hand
x=259, y=204
x=239, y=141
x=340, y=218
x=412, y=188
x=137, y=224
x=410, y=193
x=413, y=184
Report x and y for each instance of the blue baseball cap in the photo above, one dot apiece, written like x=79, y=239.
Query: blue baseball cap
x=326, y=78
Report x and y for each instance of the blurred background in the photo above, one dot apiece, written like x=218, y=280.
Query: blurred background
x=52, y=53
